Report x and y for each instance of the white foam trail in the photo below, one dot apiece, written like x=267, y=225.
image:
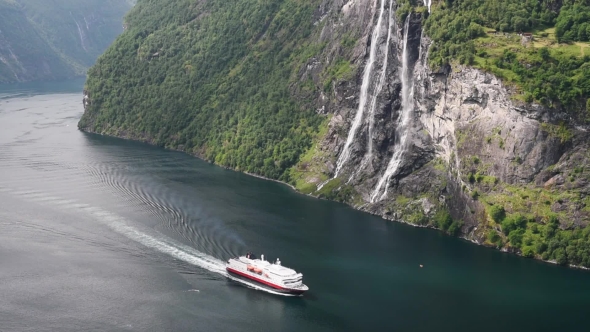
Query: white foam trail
x=29, y=193
x=82, y=206
x=381, y=82
x=47, y=199
x=121, y=226
x=400, y=146
x=169, y=247
x=177, y=251
x=364, y=93
x=64, y=202
x=35, y=196
x=157, y=241
x=160, y=243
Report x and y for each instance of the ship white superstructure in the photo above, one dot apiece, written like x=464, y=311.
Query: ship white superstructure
x=274, y=276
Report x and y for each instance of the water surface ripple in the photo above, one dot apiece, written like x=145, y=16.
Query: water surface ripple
x=99, y=233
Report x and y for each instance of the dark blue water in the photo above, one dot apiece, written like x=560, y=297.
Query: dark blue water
x=103, y=234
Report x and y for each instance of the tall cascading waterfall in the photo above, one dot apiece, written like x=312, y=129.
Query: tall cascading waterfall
x=365, y=86
x=428, y=3
x=379, y=88
x=401, y=134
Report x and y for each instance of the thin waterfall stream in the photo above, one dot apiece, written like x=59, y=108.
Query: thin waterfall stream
x=401, y=134
x=428, y=3
x=382, y=78
x=379, y=88
x=367, y=77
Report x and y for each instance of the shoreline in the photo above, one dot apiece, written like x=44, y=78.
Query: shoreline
x=359, y=208
x=268, y=179
x=465, y=238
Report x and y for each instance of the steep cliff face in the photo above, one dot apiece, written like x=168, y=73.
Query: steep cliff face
x=45, y=40
x=374, y=137
x=450, y=148
x=410, y=144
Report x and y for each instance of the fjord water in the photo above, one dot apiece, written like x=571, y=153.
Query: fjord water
x=98, y=233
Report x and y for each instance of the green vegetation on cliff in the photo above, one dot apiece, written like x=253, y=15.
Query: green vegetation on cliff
x=547, y=220
x=537, y=236
x=54, y=39
x=485, y=33
x=211, y=78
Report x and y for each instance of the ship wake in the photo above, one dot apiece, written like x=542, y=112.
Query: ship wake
x=148, y=238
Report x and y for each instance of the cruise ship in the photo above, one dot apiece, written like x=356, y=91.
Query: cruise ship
x=272, y=276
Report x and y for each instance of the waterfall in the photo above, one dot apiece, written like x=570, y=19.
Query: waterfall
x=368, y=157
x=428, y=3
x=321, y=185
x=345, y=155
x=401, y=133
x=381, y=82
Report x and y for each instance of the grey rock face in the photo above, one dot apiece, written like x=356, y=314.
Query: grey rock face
x=463, y=122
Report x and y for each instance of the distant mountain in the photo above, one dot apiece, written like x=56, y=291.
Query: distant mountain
x=54, y=39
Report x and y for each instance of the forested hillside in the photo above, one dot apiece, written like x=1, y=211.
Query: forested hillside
x=53, y=39
x=211, y=78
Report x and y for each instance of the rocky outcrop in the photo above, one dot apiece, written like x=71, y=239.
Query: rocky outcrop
x=469, y=143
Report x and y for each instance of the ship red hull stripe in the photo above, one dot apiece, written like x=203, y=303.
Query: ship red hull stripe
x=261, y=281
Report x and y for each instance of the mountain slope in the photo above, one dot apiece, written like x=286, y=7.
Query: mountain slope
x=211, y=78
x=53, y=39
x=441, y=114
